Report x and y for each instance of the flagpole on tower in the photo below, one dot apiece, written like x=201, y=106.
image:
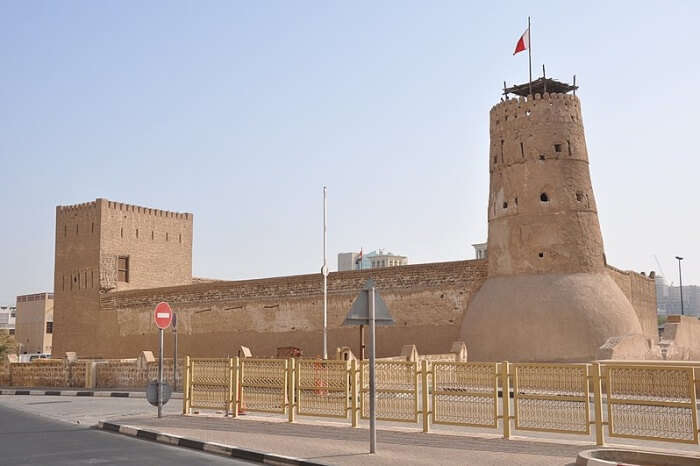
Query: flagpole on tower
x=529, y=51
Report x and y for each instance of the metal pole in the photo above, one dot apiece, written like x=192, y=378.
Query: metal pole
x=325, y=275
x=372, y=384
x=680, y=279
x=175, y=361
x=160, y=375
x=529, y=51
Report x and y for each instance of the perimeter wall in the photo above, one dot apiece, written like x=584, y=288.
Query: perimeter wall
x=427, y=302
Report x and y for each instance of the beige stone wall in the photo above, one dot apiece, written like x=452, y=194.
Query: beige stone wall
x=158, y=243
x=48, y=373
x=641, y=292
x=33, y=312
x=76, y=275
x=681, y=338
x=214, y=319
x=129, y=374
x=89, y=239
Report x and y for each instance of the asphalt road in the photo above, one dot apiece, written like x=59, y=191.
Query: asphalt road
x=28, y=439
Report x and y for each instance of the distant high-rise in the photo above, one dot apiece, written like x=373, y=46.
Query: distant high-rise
x=372, y=260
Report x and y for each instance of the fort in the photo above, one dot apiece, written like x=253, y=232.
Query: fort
x=545, y=293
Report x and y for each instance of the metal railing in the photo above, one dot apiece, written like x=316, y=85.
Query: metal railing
x=644, y=401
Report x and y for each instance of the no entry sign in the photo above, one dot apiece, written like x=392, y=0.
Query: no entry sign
x=163, y=315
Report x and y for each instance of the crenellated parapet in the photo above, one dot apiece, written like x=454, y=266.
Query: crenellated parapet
x=90, y=207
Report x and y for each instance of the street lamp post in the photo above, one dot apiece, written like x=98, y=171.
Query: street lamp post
x=680, y=280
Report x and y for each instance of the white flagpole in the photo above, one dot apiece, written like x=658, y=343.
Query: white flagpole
x=529, y=51
x=324, y=270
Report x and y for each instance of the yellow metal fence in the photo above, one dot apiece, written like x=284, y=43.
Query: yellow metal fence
x=643, y=400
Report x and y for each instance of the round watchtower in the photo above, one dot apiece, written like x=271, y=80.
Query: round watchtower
x=542, y=214
x=548, y=296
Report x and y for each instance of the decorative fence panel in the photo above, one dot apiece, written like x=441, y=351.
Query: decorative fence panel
x=210, y=381
x=397, y=390
x=465, y=393
x=323, y=388
x=644, y=401
x=263, y=385
x=652, y=402
x=551, y=397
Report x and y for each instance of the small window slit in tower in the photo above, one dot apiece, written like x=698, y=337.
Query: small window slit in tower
x=522, y=150
x=541, y=254
x=568, y=143
x=121, y=232
x=541, y=156
x=505, y=205
x=544, y=197
x=579, y=196
x=557, y=147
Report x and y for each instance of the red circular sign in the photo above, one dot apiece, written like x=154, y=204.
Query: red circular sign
x=163, y=315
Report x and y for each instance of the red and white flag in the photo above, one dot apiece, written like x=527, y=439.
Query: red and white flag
x=523, y=42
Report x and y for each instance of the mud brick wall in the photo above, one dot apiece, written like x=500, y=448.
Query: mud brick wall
x=427, y=301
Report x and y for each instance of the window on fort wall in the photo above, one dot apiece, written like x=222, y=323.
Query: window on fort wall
x=123, y=269
x=49, y=327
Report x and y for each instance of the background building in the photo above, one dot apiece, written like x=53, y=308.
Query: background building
x=7, y=318
x=34, y=325
x=480, y=250
x=372, y=260
x=668, y=298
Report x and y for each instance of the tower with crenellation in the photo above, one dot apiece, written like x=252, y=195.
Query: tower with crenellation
x=548, y=293
x=105, y=246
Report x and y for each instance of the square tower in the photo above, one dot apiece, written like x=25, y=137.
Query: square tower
x=105, y=246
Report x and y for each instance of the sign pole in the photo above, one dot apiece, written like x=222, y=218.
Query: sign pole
x=160, y=375
x=174, y=324
x=372, y=384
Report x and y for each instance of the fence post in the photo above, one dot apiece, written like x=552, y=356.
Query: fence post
x=355, y=413
x=424, y=389
x=505, y=395
x=598, y=404
x=290, y=388
x=235, y=387
x=187, y=389
x=230, y=400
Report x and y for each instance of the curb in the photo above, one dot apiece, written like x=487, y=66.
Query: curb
x=97, y=394
x=209, y=447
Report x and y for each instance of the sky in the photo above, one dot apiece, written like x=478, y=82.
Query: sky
x=240, y=112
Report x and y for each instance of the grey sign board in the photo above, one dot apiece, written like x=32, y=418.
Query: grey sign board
x=152, y=392
x=359, y=312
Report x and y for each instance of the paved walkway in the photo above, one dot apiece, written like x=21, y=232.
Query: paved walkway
x=332, y=443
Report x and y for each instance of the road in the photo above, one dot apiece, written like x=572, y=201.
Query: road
x=29, y=439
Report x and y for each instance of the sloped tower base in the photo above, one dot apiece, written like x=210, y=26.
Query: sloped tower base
x=546, y=318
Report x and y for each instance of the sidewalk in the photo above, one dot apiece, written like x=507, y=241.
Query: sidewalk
x=338, y=444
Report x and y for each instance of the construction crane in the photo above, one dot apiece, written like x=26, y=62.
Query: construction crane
x=661, y=269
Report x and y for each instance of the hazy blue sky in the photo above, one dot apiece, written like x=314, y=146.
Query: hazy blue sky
x=240, y=111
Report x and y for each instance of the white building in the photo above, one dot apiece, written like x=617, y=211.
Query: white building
x=8, y=317
x=480, y=250
x=372, y=260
